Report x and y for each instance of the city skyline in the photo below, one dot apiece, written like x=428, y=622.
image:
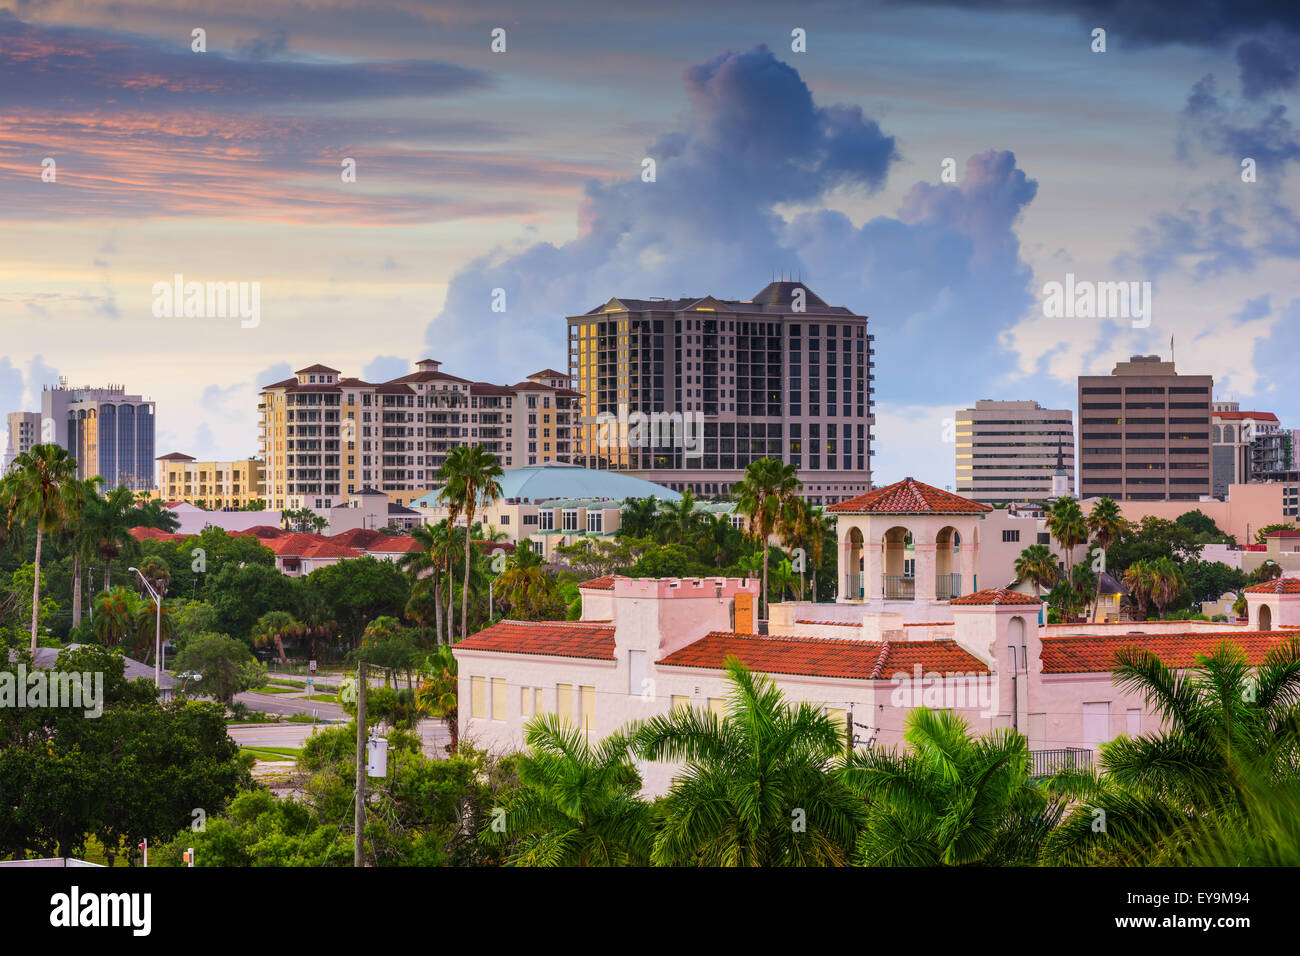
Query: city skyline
x=524, y=171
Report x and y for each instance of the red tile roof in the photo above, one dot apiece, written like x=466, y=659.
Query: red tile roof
x=155, y=534
x=603, y=583
x=1276, y=586
x=909, y=497
x=1096, y=654
x=825, y=657
x=329, y=549
x=548, y=638
x=357, y=537
x=264, y=531
x=1284, y=533
x=1242, y=416
x=997, y=596
x=394, y=544
x=294, y=545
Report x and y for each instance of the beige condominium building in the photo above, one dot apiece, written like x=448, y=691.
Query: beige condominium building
x=24, y=432
x=687, y=392
x=1144, y=433
x=325, y=436
x=1010, y=451
x=209, y=484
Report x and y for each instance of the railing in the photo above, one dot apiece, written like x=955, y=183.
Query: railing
x=897, y=587
x=947, y=586
x=855, y=585
x=1048, y=762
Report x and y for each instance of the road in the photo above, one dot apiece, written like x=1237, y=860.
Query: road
x=432, y=732
x=292, y=703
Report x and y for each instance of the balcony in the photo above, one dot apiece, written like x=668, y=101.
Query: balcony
x=1048, y=762
x=947, y=586
x=898, y=587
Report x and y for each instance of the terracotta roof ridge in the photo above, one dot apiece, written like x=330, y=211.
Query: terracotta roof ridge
x=511, y=620
x=835, y=641
x=880, y=661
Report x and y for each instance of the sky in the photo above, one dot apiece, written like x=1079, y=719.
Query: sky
x=931, y=165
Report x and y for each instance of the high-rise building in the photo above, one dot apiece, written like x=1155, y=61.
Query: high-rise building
x=1010, y=451
x=782, y=375
x=1248, y=446
x=24, y=432
x=324, y=437
x=107, y=431
x=1144, y=433
x=209, y=484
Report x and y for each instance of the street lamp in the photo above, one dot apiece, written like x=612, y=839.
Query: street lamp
x=157, y=634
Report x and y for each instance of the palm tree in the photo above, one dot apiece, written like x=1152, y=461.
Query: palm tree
x=152, y=629
x=1066, y=523
x=315, y=618
x=638, y=517
x=759, y=786
x=680, y=519
x=1140, y=581
x=951, y=799
x=447, y=547
x=116, y=615
x=271, y=628
x=1166, y=581
x=717, y=537
x=437, y=696
x=526, y=590
x=79, y=543
x=424, y=607
x=422, y=562
x=41, y=486
x=470, y=478
x=108, y=525
x=1106, y=524
x=1227, y=734
x=578, y=805
x=154, y=514
x=763, y=497
x=157, y=573
x=803, y=527
x=1037, y=565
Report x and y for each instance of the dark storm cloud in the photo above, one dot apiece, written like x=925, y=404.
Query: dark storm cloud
x=943, y=278
x=68, y=66
x=1155, y=22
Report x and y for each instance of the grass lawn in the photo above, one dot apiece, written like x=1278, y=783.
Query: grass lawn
x=323, y=698
x=271, y=689
x=281, y=682
x=272, y=753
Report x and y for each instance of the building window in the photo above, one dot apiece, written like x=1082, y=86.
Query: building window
x=564, y=701
x=1010, y=536
x=498, y=698
x=595, y=522
x=478, y=696
x=546, y=520
x=570, y=519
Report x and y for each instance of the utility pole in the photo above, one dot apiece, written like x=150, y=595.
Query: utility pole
x=359, y=818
